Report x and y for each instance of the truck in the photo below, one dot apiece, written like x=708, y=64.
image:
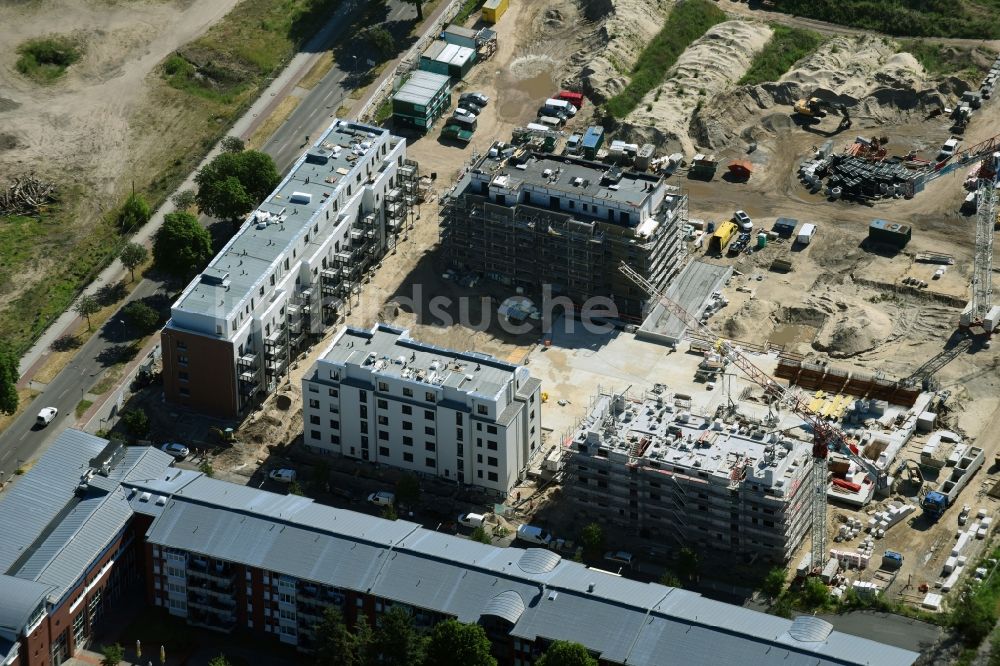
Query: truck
x=456, y=132
x=936, y=502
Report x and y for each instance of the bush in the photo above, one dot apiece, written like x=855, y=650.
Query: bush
x=133, y=214
x=46, y=59
x=940, y=60
x=687, y=22
x=786, y=47
x=971, y=19
x=136, y=422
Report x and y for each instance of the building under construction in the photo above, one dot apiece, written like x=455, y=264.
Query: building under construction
x=528, y=219
x=654, y=468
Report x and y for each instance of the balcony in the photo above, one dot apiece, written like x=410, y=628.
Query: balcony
x=221, y=574
x=210, y=618
x=247, y=362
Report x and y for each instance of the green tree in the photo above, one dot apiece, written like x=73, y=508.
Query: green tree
x=206, y=468
x=408, y=490
x=687, y=564
x=182, y=247
x=774, y=582
x=232, y=144
x=381, y=40
x=183, y=200
x=480, y=535
x=335, y=645
x=8, y=380
x=140, y=315
x=973, y=615
x=112, y=655
x=219, y=661
x=592, y=540
x=295, y=489
x=134, y=213
x=670, y=579
x=397, y=641
x=231, y=184
x=453, y=643
x=389, y=512
x=136, y=422
x=86, y=306
x=132, y=256
x=815, y=593
x=565, y=653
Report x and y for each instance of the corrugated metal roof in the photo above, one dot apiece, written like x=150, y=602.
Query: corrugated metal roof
x=509, y=605
x=20, y=599
x=538, y=560
x=422, y=87
x=40, y=495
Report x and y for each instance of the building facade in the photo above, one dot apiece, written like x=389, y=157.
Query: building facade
x=654, y=468
x=288, y=272
x=384, y=397
x=529, y=219
x=243, y=561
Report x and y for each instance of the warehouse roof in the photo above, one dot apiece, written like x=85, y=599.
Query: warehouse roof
x=421, y=88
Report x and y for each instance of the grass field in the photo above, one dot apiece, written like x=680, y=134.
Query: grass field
x=786, y=47
x=940, y=60
x=688, y=21
x=972, y=19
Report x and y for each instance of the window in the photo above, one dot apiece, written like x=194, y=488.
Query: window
x=382, y=386
x=314, y=419
x=383, y=404
x=479, y=442
x=407, y=409
x=313, y=388
x=335, y=439
x=182, y=375
x=491, y=445
x=333, y=393
x=407, y=425
x=481, y=409
x=491, y=461
x=479, y=458
x=334, y=409
x=532, y=415
x=407, y=440
x=479, y=426
x=407, y=457
x=491, y=429
x=492, y=476
x=182, y=359
x=458, y=418
x=362, y=395
x=429, y=415
x=430, y=462
x=184, y=392
x=363, y=411
x=383, y=435
x=383, y=420
x=383, y=451
x=408, y=392
x=429, y=396
x=313, y=403
x=479, y=473
x=181, y=346
x=461, y=450
x=314, y=434
x=364, y=441
x=335, y=424
x=428, y=430
x=459, y=434
x=429, y=446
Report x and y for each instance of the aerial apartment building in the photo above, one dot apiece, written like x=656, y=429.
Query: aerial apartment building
x=242, y=561
x=384, y=397
x=289, y=271
x=528, y=219
x=655, y=468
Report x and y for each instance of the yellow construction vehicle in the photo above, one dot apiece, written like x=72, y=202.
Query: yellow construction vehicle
x=812, y=107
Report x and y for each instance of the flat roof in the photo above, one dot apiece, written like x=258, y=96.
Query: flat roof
x=691, y=290
x=422, y=87
x=391, y=352
x=452, y=54
x=575, y=176
x=278, y=222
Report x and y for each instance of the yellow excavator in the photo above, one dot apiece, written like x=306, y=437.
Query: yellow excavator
x=818, y=108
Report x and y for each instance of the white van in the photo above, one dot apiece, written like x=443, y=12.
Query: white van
x=282, y=475
x=533, y=534
x=562, y=105
x=382, y=498
x=806, y=233
x=551, y=122
x=471, y=519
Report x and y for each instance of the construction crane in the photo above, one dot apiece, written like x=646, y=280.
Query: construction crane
x=826, y=435
x=978, y=311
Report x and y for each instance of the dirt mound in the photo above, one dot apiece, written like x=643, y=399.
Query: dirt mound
x=865, y=73
x=710, y=65
x=854, y=329
x=622, y=29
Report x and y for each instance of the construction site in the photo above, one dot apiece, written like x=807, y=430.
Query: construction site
x=816, y=391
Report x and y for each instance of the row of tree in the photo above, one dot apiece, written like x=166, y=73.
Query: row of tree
x=397, y=642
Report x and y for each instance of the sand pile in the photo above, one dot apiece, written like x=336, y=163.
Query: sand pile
x=710, y=65
x=853, y=329
x=622, y=28
x=863, y=72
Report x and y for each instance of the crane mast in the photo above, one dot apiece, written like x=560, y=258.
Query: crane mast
x=982, y=275
x=826, y=436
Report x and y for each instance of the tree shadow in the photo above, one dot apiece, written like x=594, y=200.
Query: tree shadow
x=111, y=293
x=66, y=342
x=117, y=353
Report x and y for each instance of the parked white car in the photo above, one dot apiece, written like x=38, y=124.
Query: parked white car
x=382, y=498
x=282, y=475
x=46, y=415
x=741, y=218
x=177, y=450
x=461, y=112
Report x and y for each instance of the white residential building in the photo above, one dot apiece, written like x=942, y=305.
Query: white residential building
x=384, y=397
x=286, y=274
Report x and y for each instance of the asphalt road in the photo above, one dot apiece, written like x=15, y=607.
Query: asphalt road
x=22, y=440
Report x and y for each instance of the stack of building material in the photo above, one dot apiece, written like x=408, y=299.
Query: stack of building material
x=864, y=588
x=830, y=570
x=850, y=559
x=856, y=176
x=883, y=521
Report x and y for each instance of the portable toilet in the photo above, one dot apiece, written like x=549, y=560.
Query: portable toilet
x=761, y=240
